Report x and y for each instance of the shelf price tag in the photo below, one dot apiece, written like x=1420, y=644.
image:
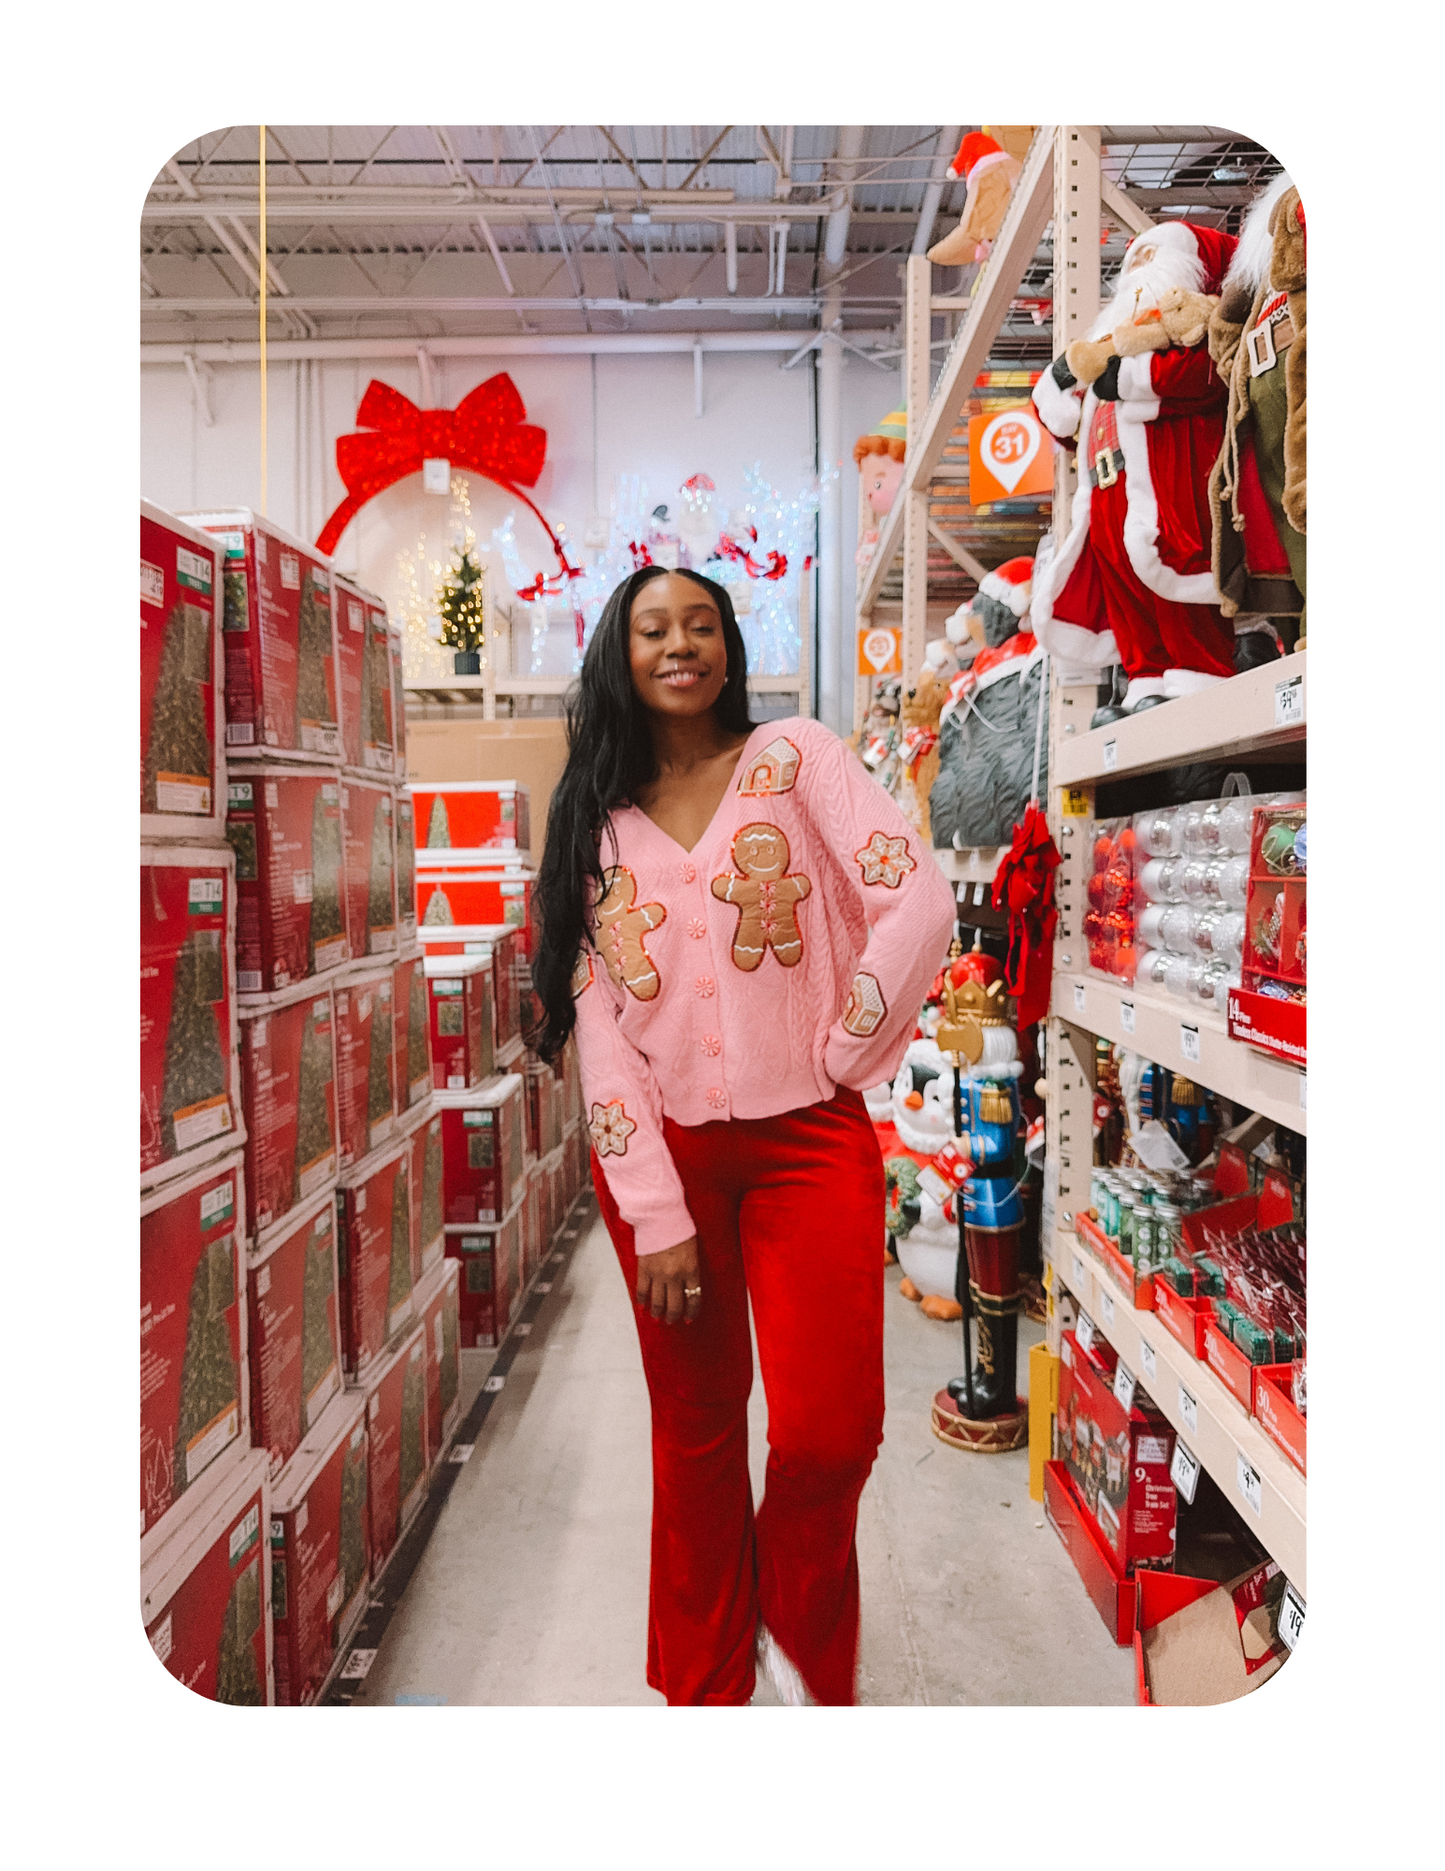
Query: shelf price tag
x=1184, y=1472
x=1126, y=1015
x=1189, y=1410
x=1250, y=1485
x=1303, y=1081
x=1084, y=1331
x=493, y=1385
x=1106, y=1307
x=1189, y=1043
x=1148, y=1360
x=1289, y=705
x=1111, y=748
x=1124, y=1387
x=1079, y=997
x=1291, y=1616
x=1080, y=1276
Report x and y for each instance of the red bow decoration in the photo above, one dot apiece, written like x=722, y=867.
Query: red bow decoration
x=776, y=566
x=1024, y=883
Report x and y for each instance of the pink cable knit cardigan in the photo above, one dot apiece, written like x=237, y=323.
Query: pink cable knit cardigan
x=787, y=954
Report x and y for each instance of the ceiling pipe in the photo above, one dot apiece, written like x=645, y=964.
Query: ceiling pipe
x=554, y=344
x=730, y=238
x=835, y=238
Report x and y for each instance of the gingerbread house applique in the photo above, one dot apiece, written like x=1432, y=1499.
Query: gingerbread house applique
x=866, y=1008
x=773, y=770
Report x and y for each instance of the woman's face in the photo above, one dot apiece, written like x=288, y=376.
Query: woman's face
x=679, y=662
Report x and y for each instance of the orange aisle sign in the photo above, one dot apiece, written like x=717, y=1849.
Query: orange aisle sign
x=880, y=652
x=1009, y=455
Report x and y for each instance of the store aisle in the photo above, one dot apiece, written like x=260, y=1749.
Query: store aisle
x=533, y=1587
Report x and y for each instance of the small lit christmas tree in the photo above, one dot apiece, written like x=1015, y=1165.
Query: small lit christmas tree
x=459, y=603
x=438, y=910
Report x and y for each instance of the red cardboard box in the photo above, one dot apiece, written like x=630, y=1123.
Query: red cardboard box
x=471, y=822
x=396, y=1442
x=181, y=689
x=206, y=1596
x=280, y=642
x=192, y=1333
x=409, y=1023
x=398, y=706
x=459, y=1014
x=1105, y=1580
x=190, y=1083
x=295, y=1328
x=365, y=1063
x=363, y=650
x=534, y=1221
x=1274, y=1406
x=575, y=1149
x=457, y=900
x=490, y=1287
x=438, y=1306
x=1269, y=1025
x=509, y=967
x=1198, y=1643
x=288, y=1096
x=1184, y=1318
x=1228, y=1363
x=483, y=1150
x=424, y=1138
x=556, y=1204
x=1119, y=1459
x=284, y=825
x=373, y=1251
x=1140, y=1292
x=545, y=1095
x=404, y=821
x=571, y=1084
x=320, y=1548
x=370, y=869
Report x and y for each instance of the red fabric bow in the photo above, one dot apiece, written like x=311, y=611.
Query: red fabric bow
x=776, y=566
x=1024, y=884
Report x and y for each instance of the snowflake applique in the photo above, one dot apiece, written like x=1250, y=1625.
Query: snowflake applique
x=696, y=928
x=885, y=860
x=610, y=1128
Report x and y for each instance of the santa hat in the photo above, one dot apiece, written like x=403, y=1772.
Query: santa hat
x=1208, y=249
x=1011, y=583
x=973, y=146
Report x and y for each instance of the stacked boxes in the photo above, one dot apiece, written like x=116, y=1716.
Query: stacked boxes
x=320, y=1549
x=460, y=1019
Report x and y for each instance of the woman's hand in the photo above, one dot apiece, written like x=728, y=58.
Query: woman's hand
x=662, y=1280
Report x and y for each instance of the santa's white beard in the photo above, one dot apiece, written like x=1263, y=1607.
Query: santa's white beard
x=1250, y=265
x=1140, y=289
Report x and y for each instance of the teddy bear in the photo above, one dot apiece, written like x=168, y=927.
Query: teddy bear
x=765, y=896
x=919, y=711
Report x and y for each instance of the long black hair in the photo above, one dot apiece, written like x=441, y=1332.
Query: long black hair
x=609, y=757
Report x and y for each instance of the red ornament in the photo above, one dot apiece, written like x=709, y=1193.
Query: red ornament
x=1103, y=853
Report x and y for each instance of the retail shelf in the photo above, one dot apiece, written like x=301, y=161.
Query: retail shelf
x=977, y=864
x=1186, y=1039
x=1222, y=1435
x=1249, y=714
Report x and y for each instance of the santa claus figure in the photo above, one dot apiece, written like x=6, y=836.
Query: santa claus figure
x=1132, y=583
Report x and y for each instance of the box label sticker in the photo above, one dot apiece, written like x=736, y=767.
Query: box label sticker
x=1075, y=803
x=218, y=1204
x=1184, y=1472
x=152, y=590
x=245, y=1533
x=192, y=570
x=1153, y=1448
x=205, y=896
x=290, y=571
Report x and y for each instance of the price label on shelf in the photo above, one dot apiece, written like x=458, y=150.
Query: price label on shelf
x=1079, y=997
x=493, y=1385
x=1147, y=1359
x=1303, y=1081
x=1189, y=1043
x=1249, y=1484
x=1126, y=1015
x=1124, y=1386
x=1084, y=1331
x=1081, y=1278
x=1111, y=754
x=1184, y=1472
x=1189, y=1410
x=1289, y=704
x=1291, y=1616
x=1106, y=1307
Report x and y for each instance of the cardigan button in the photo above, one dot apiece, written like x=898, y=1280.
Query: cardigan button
x=689, y=873
x=711, y=1045
x=717, y=1097
x=696, y=928
x=705, y=986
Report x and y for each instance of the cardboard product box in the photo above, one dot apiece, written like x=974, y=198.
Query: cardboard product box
x=396, y=1442
x=459, y=1019
x=545, y=1096
x=410, y=1018
x=571, y=1069
x=206, y=1595
x=1274, y=1405
x=398, y=706
x=365, y=1065
x=370, y=869
x=509, y=967
x=280, y=640
x=1139, y=1289
x=295, y=1328
x=471, y=822
x=288, y=1098
x=1198, y=1643
x=576, y=1146
x=373, y=1255
x=284, y=824
x=320, y=1548
x=472, y=898
x=534, y=1240
x=182, y=689
x=1119, y=1459
x=532, y=749
x=424, y=1138
x=1109, y=1586
x=193, y=1402
x=483, y=1150
x=490, y=1281
x=190, y=1079
x=555, y=1170
x=439, y=1308
x=363, y=655
x=403, y=818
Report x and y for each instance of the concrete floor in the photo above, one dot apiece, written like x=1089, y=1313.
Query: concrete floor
x=533, y=1587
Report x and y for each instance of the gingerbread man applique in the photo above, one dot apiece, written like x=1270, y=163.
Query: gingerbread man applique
x=765, y=896
x=621, y=925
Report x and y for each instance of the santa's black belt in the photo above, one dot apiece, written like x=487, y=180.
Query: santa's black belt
x=1108, y=465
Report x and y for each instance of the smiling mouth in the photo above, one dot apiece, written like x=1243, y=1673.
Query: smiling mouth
x=681, y=678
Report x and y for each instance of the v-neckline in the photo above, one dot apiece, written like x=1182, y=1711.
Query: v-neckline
x=726, y=795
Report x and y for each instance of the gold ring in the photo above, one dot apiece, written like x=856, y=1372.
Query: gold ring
x=691, y=1292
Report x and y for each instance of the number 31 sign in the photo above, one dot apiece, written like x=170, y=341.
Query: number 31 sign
x=1009, y=455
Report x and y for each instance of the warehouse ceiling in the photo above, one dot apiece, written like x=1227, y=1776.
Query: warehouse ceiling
x=464, y=230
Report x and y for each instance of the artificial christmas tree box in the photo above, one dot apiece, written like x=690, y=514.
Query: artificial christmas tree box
x=509, y=963
x=190, y=1080
x=365, y=1065
x=373, y=1254
x=545, y=1094
x=462, y=901
x=206, y=1595
x=1119, y=1459
x=182, y=789
x=403, y=818
x=460, y=1019
x=490, y=1283
x=483, y=1150
x=295, y=1328
x=279, y=637
x=558, y=1201
x=396, y=1442
x=439, y=1308
x=320, y=1548
x=398, y=705
x=575, y=1146
x=193, y=1403
x=471, y=822
x=370, y=869
x=288, y=1098
x=410, y=1020
x=363, y=658
x=284, y=825
x=424, y=1138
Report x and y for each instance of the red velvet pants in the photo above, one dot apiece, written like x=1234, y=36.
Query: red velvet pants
x=789, y=1214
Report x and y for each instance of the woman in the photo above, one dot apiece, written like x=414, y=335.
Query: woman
x=740, y=926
